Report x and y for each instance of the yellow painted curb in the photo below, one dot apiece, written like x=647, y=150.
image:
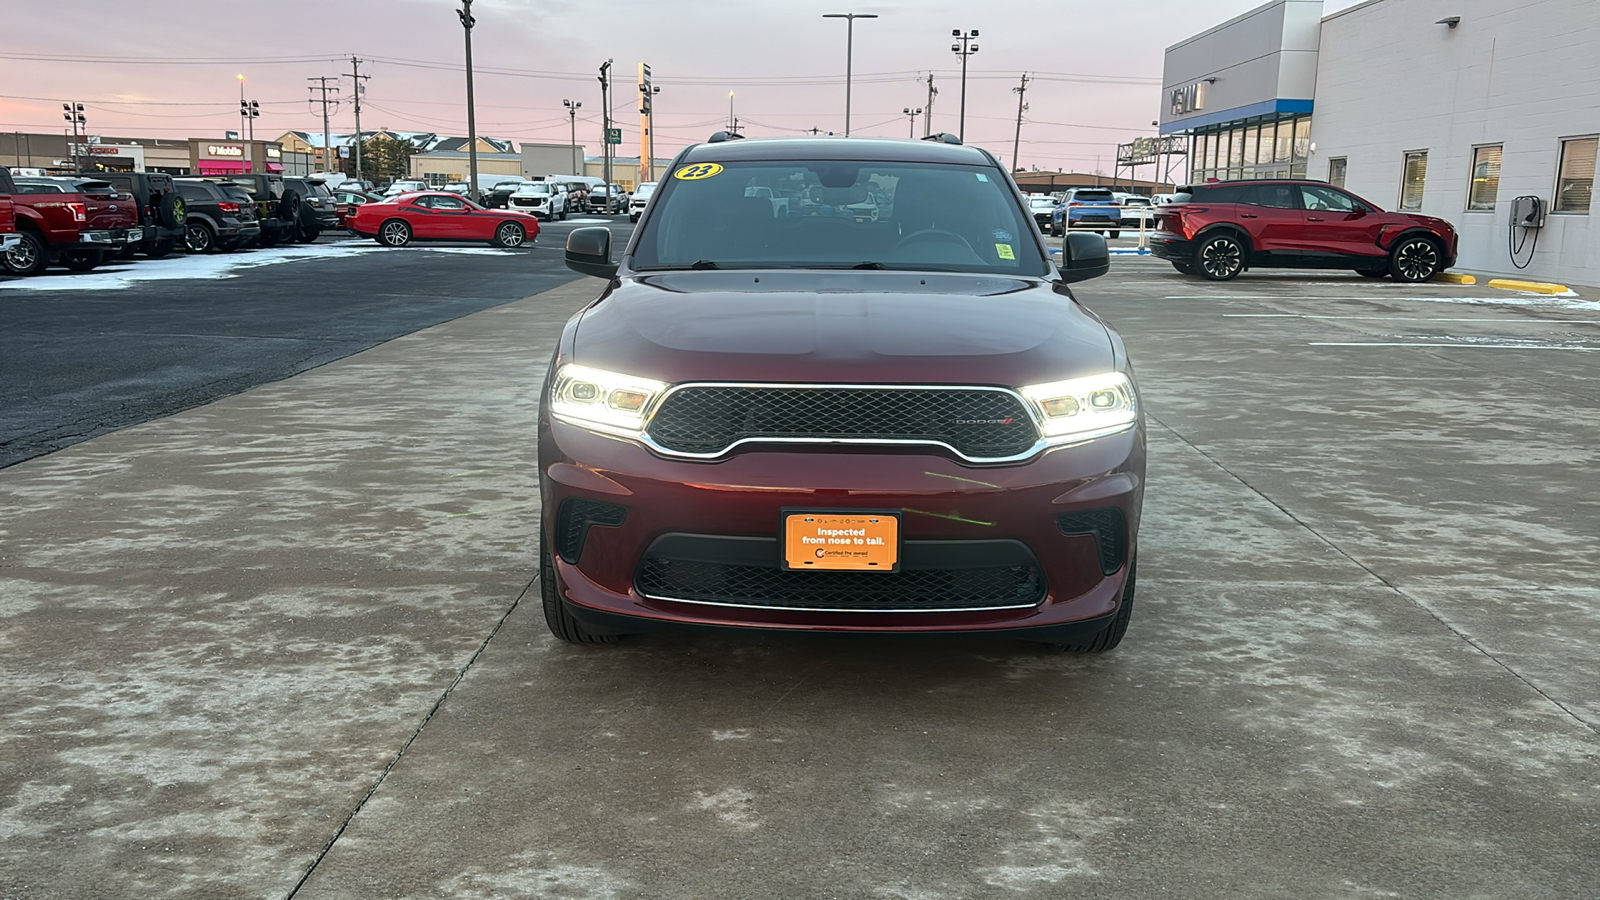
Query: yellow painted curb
x=1455, y=278
x=1532, y=287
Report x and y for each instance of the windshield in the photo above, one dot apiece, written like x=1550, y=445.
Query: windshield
x=838, y=214
x=1040, y=202
x=644, y=190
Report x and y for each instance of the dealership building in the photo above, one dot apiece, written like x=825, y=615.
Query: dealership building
x=1468, y=110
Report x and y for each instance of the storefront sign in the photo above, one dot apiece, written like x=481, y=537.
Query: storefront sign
x=274, y=152
x=1189, y=98
x=224, y=150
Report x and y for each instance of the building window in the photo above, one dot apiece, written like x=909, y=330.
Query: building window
x=1485, y=177
x=1411, y=181
x=1575, y=177
x=1336, y=168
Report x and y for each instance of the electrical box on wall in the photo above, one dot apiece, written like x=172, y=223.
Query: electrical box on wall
x=1527, y=212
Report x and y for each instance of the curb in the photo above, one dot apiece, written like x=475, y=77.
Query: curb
x=1531, y=287
x=1455, y=278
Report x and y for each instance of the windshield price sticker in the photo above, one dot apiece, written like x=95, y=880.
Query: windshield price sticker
x=697, y=172
x=841, y=541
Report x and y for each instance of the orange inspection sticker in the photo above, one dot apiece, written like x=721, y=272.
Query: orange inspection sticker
x=849, y=541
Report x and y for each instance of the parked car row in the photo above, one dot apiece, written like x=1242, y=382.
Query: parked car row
x=80, y=221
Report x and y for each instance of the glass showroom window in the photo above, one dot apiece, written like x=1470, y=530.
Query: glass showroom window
x=1485, y=177
x=1416, y=172
x=1575, y=178
x=1336, y=168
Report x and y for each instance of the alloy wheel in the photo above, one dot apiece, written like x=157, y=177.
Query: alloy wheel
x=1221, y=258
x=197, y=239
x=22, y=257
x=396, y=234
x=1417, y=260
x=510, y=235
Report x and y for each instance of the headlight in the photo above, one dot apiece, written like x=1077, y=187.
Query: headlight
x=1083, y=408
x=607, y=401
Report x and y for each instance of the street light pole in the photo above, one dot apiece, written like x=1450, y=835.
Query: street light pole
x=849, y=55
x=572, y=114
x=731, y=126
x=1016, y=143
x=912, y=114
x=74, y=114
x=467, y=21
x=964, y=47
x=605, y=118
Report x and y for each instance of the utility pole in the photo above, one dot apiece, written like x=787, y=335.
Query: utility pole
x=647, y=139
x=912, y=114
x=964, y=47
x=849, y=55
x=355, y=93
x=467, y=21
x=572, y=115
x=327, y=149
x=1016, y=143
x=927, y=119
x=605, y=118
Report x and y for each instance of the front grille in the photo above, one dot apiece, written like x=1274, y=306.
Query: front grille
x=1109, y=529
x=979, y=423
x=768, y=587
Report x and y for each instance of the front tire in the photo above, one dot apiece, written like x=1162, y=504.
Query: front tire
x=1116, y=234
x=562, y=623
x=509, y=235
x=1183, y=267
x=1415, y=260
x=1219, y=258
x=394, y=233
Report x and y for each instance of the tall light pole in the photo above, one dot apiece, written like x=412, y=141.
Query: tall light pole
x=467, y=21
x=73, y=112
x=912, y=114
x=1022, y=107
x=243, y=106
x=605, y=118
x=849, y=55
x=572, y=114
x=964, y=47
x=732, y=126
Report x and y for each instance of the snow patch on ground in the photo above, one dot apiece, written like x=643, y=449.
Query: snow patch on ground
x=210, y=266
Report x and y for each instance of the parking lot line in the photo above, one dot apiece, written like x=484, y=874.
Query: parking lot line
x=1481, y=346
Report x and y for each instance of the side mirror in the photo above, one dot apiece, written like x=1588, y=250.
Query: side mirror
x=589, y=252
x=1083, y=256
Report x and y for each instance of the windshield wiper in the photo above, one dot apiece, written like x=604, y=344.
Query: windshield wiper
x=869, y=265
x=704, y=264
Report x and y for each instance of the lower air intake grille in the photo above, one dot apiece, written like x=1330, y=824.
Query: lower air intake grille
x=572, y=524
x=1109, y=530
x=768, y=587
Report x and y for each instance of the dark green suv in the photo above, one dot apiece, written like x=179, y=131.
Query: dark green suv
x=277, y=207
x=161, y=209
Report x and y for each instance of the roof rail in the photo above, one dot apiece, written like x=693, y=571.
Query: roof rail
x=721, y=136
x=943, y=137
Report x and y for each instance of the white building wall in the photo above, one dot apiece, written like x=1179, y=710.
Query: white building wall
x=1266, y=54
x=1522, y=73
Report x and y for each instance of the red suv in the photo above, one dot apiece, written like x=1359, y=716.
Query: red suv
x=824, y=424
x=1219, y=230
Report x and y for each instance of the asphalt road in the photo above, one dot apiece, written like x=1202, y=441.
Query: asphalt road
x=282, y=645
x=83, y=355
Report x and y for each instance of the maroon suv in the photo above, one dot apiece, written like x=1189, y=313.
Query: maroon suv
x=1219, y=230
x=818, y=423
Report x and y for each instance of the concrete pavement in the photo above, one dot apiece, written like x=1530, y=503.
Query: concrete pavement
x=1361, y=661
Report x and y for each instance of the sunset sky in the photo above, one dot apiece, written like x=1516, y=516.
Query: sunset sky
x=169, y=69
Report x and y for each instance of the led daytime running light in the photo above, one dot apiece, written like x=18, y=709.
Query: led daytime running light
x=1084, y=407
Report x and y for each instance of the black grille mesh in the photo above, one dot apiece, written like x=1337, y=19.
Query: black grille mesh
x=921, y=590
x=978, y=423
x=1110, y=531
x=574, y=519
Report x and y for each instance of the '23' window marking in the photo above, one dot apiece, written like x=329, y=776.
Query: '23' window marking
x=697, y=172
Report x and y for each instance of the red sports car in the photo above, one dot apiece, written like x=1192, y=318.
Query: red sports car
x=438, y=216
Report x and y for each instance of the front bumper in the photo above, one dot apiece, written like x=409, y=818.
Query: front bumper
x=943, y=504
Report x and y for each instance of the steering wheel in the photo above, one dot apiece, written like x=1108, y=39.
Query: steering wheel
x=934, y=234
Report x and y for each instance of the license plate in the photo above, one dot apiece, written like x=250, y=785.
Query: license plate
x=841, y=540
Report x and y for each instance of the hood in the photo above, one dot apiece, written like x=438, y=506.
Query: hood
x=841, y=327
x=1430, y=222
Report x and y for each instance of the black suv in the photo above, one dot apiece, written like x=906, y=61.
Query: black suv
x=500, y=197
x=220, y=216
x=277, y=208
x=161, y=209
x=318, y=211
